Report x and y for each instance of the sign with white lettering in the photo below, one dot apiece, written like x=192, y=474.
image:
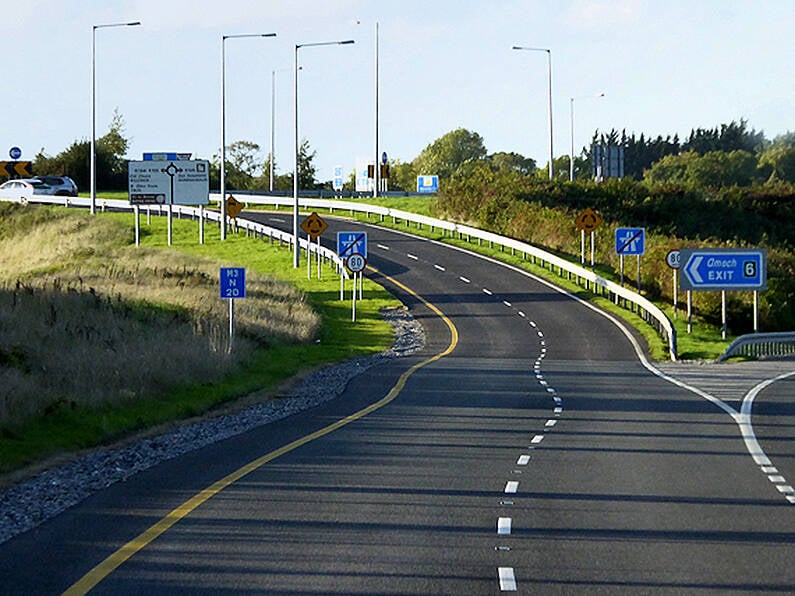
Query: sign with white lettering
x=723, y=269
x=178, y=182
x=233, y=282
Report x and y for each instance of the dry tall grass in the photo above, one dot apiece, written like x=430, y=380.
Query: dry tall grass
x=86, y=318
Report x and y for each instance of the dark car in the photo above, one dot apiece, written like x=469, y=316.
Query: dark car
x=61, y=186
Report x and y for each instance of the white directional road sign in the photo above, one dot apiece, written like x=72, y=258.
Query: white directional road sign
x=630, y=241
x=724, y=269
x=349, y=243
x=178, y=182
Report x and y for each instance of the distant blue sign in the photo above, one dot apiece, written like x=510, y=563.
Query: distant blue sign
x=338, y=178
x=723, y=269
x=349, y=243
x=630, y=241
x=15, y=153
x=164, y=156
x=233, y=282
x=429, y=184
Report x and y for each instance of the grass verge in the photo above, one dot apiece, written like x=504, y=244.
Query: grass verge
x=65, y=425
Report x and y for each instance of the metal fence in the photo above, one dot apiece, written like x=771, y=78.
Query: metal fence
x=758, y=345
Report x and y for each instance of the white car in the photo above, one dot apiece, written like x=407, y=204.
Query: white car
x=21, y=191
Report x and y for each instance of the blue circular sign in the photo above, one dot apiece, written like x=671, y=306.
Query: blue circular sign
x=383, y=158
x=15, y=152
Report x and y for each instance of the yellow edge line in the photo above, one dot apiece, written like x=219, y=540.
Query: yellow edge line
x=115, y=560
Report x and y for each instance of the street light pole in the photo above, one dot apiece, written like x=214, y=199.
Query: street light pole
x=571, y=108
x=376, y=168
x=273, y=125
x=223, y=120
x=93, y=172
x=296, y=247
x=549, y=62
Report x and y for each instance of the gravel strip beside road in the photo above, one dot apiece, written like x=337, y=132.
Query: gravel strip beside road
x=32, y=501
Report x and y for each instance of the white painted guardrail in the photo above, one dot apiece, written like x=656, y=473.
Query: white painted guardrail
x=251, y=227
x=624, y=297
x=755, y=345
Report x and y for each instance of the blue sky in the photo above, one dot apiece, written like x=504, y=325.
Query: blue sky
x=665, y=68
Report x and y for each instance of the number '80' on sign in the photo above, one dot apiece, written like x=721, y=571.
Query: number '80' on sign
x=356, y=263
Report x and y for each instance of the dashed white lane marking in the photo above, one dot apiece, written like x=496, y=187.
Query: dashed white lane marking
x=382, y=246
x=558, y=410
x=521, y=314
x=533, y=324
x=551, y=423
x=488, y=292
x=464, y=279
x=506, y=303
x=413, y=257
x=439, y=268
x=511, y=486
x=523, y=460
x=503, y=526
x=769, y=470
x=278, y=219
x=785, y=489
x=507, y=579
x=537, y=439
x=776, y=479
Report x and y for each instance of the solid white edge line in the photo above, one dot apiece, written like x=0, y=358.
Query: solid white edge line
x=507, y=579
x=746, y=427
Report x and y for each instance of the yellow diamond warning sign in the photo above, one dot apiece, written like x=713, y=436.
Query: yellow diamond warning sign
x=314, y=225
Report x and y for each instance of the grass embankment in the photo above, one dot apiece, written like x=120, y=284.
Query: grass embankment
x=100, y=339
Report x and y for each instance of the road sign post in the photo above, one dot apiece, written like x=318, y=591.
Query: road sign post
x=233, y=286
x=725, y=269
x=630, y=241
x=352, y=248
x=673, y=259
x=313, y=225
x=587, y=221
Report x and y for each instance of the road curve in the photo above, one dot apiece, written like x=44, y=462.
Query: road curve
x=538, y=455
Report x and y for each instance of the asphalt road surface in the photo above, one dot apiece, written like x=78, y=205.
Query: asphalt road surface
x=528, y=448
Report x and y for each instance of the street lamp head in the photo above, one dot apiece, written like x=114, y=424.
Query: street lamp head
x=346, y=42
x=134, y=23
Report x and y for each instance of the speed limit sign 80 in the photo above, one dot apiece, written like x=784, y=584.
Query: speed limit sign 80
x=356, y=262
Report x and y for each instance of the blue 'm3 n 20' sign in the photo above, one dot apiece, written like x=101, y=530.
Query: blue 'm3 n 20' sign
x=233, y=282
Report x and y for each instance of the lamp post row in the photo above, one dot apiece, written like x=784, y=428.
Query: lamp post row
x=376, y=171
